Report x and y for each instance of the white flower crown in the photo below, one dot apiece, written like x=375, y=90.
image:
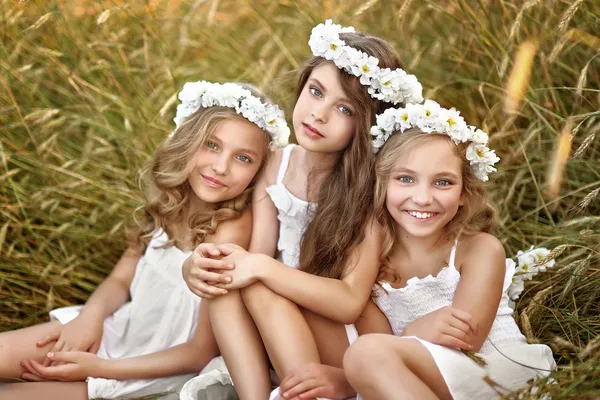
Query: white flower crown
x=384, y=84
x=431, y=117
x=267, y=117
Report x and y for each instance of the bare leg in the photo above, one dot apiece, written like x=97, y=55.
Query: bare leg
x=284, y=331
x=19, y=345
x=240, y=345
x=44, y=390
x=389, y=367
x=330, y=336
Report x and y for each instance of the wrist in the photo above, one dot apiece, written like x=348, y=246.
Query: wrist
x=104, y=369
x=259, y=264
x=91, y=312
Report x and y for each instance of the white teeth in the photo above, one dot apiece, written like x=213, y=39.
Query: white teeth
x=420, y=215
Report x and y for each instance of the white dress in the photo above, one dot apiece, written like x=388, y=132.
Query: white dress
x=162, y=313
x=511, y=361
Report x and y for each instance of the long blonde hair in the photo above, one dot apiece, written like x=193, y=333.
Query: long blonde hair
x=475, y=215
x=344, y=201
x=165, y=181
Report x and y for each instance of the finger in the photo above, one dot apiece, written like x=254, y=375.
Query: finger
x=202, y=294
x=65, y=349
x=226, y=249
x=48, y=339
x=26, y=365
x=289, y=382
x=40, y=370
x=458, y=334
x=300, y=388
x=209, y=263
x=95, y=347
x=451, y=341
x=208, y=289
x=32, y=377
x=210, y=276
x=463, y=316
x=66, y=357
x=313, y=393
x=57, y=347
x=460, y=325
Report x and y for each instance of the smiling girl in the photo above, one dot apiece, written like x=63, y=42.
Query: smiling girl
x=142, y=332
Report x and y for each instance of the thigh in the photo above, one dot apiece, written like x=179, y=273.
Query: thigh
x=20, y=344
x=330, y=336
x=44, y=390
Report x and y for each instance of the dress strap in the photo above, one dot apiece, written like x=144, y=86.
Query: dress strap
x=453, y=254
x=285, y=160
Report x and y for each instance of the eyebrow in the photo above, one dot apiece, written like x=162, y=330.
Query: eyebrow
x=342, y=99
x=410, y=171
x=214, y=138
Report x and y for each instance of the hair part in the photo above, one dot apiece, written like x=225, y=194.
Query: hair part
x=345, y=195
x=475, y=215
x=164, y=181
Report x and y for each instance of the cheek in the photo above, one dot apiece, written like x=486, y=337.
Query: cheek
x=243, y=176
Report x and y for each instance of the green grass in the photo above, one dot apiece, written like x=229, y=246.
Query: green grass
x=83, y=105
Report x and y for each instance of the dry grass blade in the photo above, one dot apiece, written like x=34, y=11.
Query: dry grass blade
x=519, y=76
x=559, y=160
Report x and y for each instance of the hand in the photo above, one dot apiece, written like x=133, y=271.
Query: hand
x=447, y=326
x=243, y=274
x=83, y=333
x=75, y=366
x=199, y=271
x=316, y=380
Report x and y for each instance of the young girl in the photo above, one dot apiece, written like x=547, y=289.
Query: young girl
x=351, y=78
x=444, y=279
x=197, y=189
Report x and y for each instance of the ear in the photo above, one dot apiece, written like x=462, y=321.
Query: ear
x=461, y=200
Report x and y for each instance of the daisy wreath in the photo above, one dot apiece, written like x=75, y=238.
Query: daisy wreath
x=267, y=117
x=392, y=86
x=431, y=117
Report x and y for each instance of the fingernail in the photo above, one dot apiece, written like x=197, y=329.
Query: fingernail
x=227, y=279
x=224, y=292
x=50, y=355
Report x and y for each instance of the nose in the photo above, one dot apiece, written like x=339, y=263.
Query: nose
x=422, y=195
x=220, y=164
x=319, y=112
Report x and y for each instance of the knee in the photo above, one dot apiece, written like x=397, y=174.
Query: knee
x=257, y=297
x=365, y=356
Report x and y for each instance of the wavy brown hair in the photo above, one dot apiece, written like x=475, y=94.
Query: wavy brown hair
x=164, y=181
x=475, y=215
x=345, y=195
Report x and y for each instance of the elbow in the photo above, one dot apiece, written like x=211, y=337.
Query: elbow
x=350, y=314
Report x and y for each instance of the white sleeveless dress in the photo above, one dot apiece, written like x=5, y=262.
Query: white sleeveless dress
x=511, y=361
x=162, y=313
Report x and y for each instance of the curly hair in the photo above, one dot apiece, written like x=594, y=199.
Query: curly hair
x=164, y=182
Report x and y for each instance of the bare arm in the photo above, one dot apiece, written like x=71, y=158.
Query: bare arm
x=265, y=225
x=113, y=292
x=481, y=279
x=372, y=320
x=341, y=300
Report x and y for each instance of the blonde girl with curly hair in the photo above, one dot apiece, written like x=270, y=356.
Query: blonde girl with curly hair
x=142, y=332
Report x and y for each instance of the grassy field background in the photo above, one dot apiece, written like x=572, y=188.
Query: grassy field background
x=87, y=91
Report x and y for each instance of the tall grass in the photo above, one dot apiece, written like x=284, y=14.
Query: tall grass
x=87, y=91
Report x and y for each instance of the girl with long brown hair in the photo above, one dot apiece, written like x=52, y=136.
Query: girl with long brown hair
x=142, y=332
x=310, y=205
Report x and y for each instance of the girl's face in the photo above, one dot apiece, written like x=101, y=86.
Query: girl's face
x=323, y=117
x=228, y=161
x=425, y=187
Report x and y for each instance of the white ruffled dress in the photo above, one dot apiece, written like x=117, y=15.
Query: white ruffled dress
x=511, y=361
x=162, y=313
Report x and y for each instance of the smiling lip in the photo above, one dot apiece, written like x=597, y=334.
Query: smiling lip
x=212, y=182
x=421, y=216
x=312, y=132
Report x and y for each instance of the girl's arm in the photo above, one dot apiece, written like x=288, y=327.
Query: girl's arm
x=372, y=320
x=340, y=300
x=265, y=225
x=482, y=270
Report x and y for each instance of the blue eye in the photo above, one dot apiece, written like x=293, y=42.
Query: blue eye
x=443, y=182
x=405, y=179
x=244, y=159
x=315, y=92
x=345, y=110
x=212, y=145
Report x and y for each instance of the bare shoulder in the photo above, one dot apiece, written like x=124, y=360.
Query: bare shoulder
x=236, y=230
x=480, y=248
